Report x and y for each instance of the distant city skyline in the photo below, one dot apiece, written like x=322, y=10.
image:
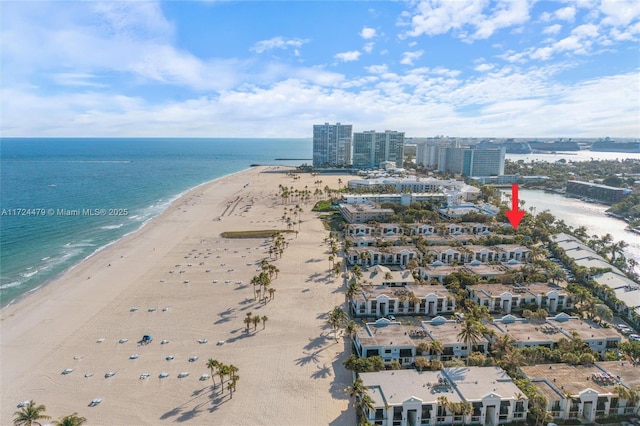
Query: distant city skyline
x=463, y=68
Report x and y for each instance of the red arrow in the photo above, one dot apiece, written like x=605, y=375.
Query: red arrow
x=514, y=215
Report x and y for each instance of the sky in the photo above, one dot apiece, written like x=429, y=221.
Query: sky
x=459, y=68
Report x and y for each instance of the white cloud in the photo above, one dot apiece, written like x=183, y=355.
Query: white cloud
x=75, y=79
x=484, y=67
x=277, y=43
x=423, y=103
x=552, y=29
x=368, y=47
x=368, y=33
x=350, y=56
x=408, y=58
x=565, y=14
x=377, y=69
x=619, y=12
x=433, y=17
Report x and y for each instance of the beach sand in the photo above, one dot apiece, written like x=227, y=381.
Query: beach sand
x=291, y=370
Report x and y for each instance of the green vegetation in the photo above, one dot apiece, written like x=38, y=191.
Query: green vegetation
x=323, y=206
x=260, y=233
x=618, y=173
x=628, y=208
x=31, y=414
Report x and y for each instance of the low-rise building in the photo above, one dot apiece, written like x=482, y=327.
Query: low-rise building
x=446, y=332
x=393, y=256
x=585, y=392
x=548, y=333
x=386, y=339
x=382, y=301
x=506, y=298
x=411, y=398
x=363, y=213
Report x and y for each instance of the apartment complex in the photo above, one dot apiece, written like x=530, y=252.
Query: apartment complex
x=586, y=392
x=472, y=162
x=371, y=149
x=332, y=144
x=609, y=194
x=409, y=397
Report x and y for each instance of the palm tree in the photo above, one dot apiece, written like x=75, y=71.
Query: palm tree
x=351, y=328
x=465, y=408
x=352, y=289
x=256, y=321
x=443, y=404
x=70, y=420
x=363, y=405
x=212, y=364
x=470, y=333
x=223, y=370
x=502, y=345
x=336, y=318
x=30, y=414
x=264, y=321
x=437, y=348
x=233, y=380
x=357, y=389
x=247, y=320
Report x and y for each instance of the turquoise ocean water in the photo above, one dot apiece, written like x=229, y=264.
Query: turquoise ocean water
x=115, y=186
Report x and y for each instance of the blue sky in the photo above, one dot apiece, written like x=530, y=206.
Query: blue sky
x=517, y=68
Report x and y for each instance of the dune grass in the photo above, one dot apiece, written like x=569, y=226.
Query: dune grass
x=260, y=233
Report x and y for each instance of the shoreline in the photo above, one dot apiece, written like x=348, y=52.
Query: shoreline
x=77, y=321
x=168, y=204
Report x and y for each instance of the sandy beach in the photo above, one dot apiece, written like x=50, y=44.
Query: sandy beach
x=188, y=284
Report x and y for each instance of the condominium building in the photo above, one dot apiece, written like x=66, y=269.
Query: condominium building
x=371, y=148
x=472, y=162
x=409, y=397
x=332, y=144
x=584, y=393
x=484, y=162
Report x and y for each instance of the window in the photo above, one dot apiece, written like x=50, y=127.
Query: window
x=397, y=413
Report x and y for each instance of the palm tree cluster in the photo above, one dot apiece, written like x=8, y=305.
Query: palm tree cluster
x=223, y=370
x=31, y=414
x=289, y=194
x=462, y=408
x=361, y=399
x=262, y=282
x=255, y=320
x=277, y=246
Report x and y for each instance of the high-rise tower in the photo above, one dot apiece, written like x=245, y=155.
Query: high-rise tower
x=332, y=144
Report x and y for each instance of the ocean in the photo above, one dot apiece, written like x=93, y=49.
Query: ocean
x=61, y=199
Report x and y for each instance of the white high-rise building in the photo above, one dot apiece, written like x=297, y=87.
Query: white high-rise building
x=332, y=145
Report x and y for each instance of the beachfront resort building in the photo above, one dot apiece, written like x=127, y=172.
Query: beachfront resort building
x=586, y=392
x=398, y=256
x=415, y=184
x=365, y=212
x=385, y=300
x=372, y=150
x=547, y=333
x=499, y=298
x=412, y=398
x=332, y=145
x=447, y=332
